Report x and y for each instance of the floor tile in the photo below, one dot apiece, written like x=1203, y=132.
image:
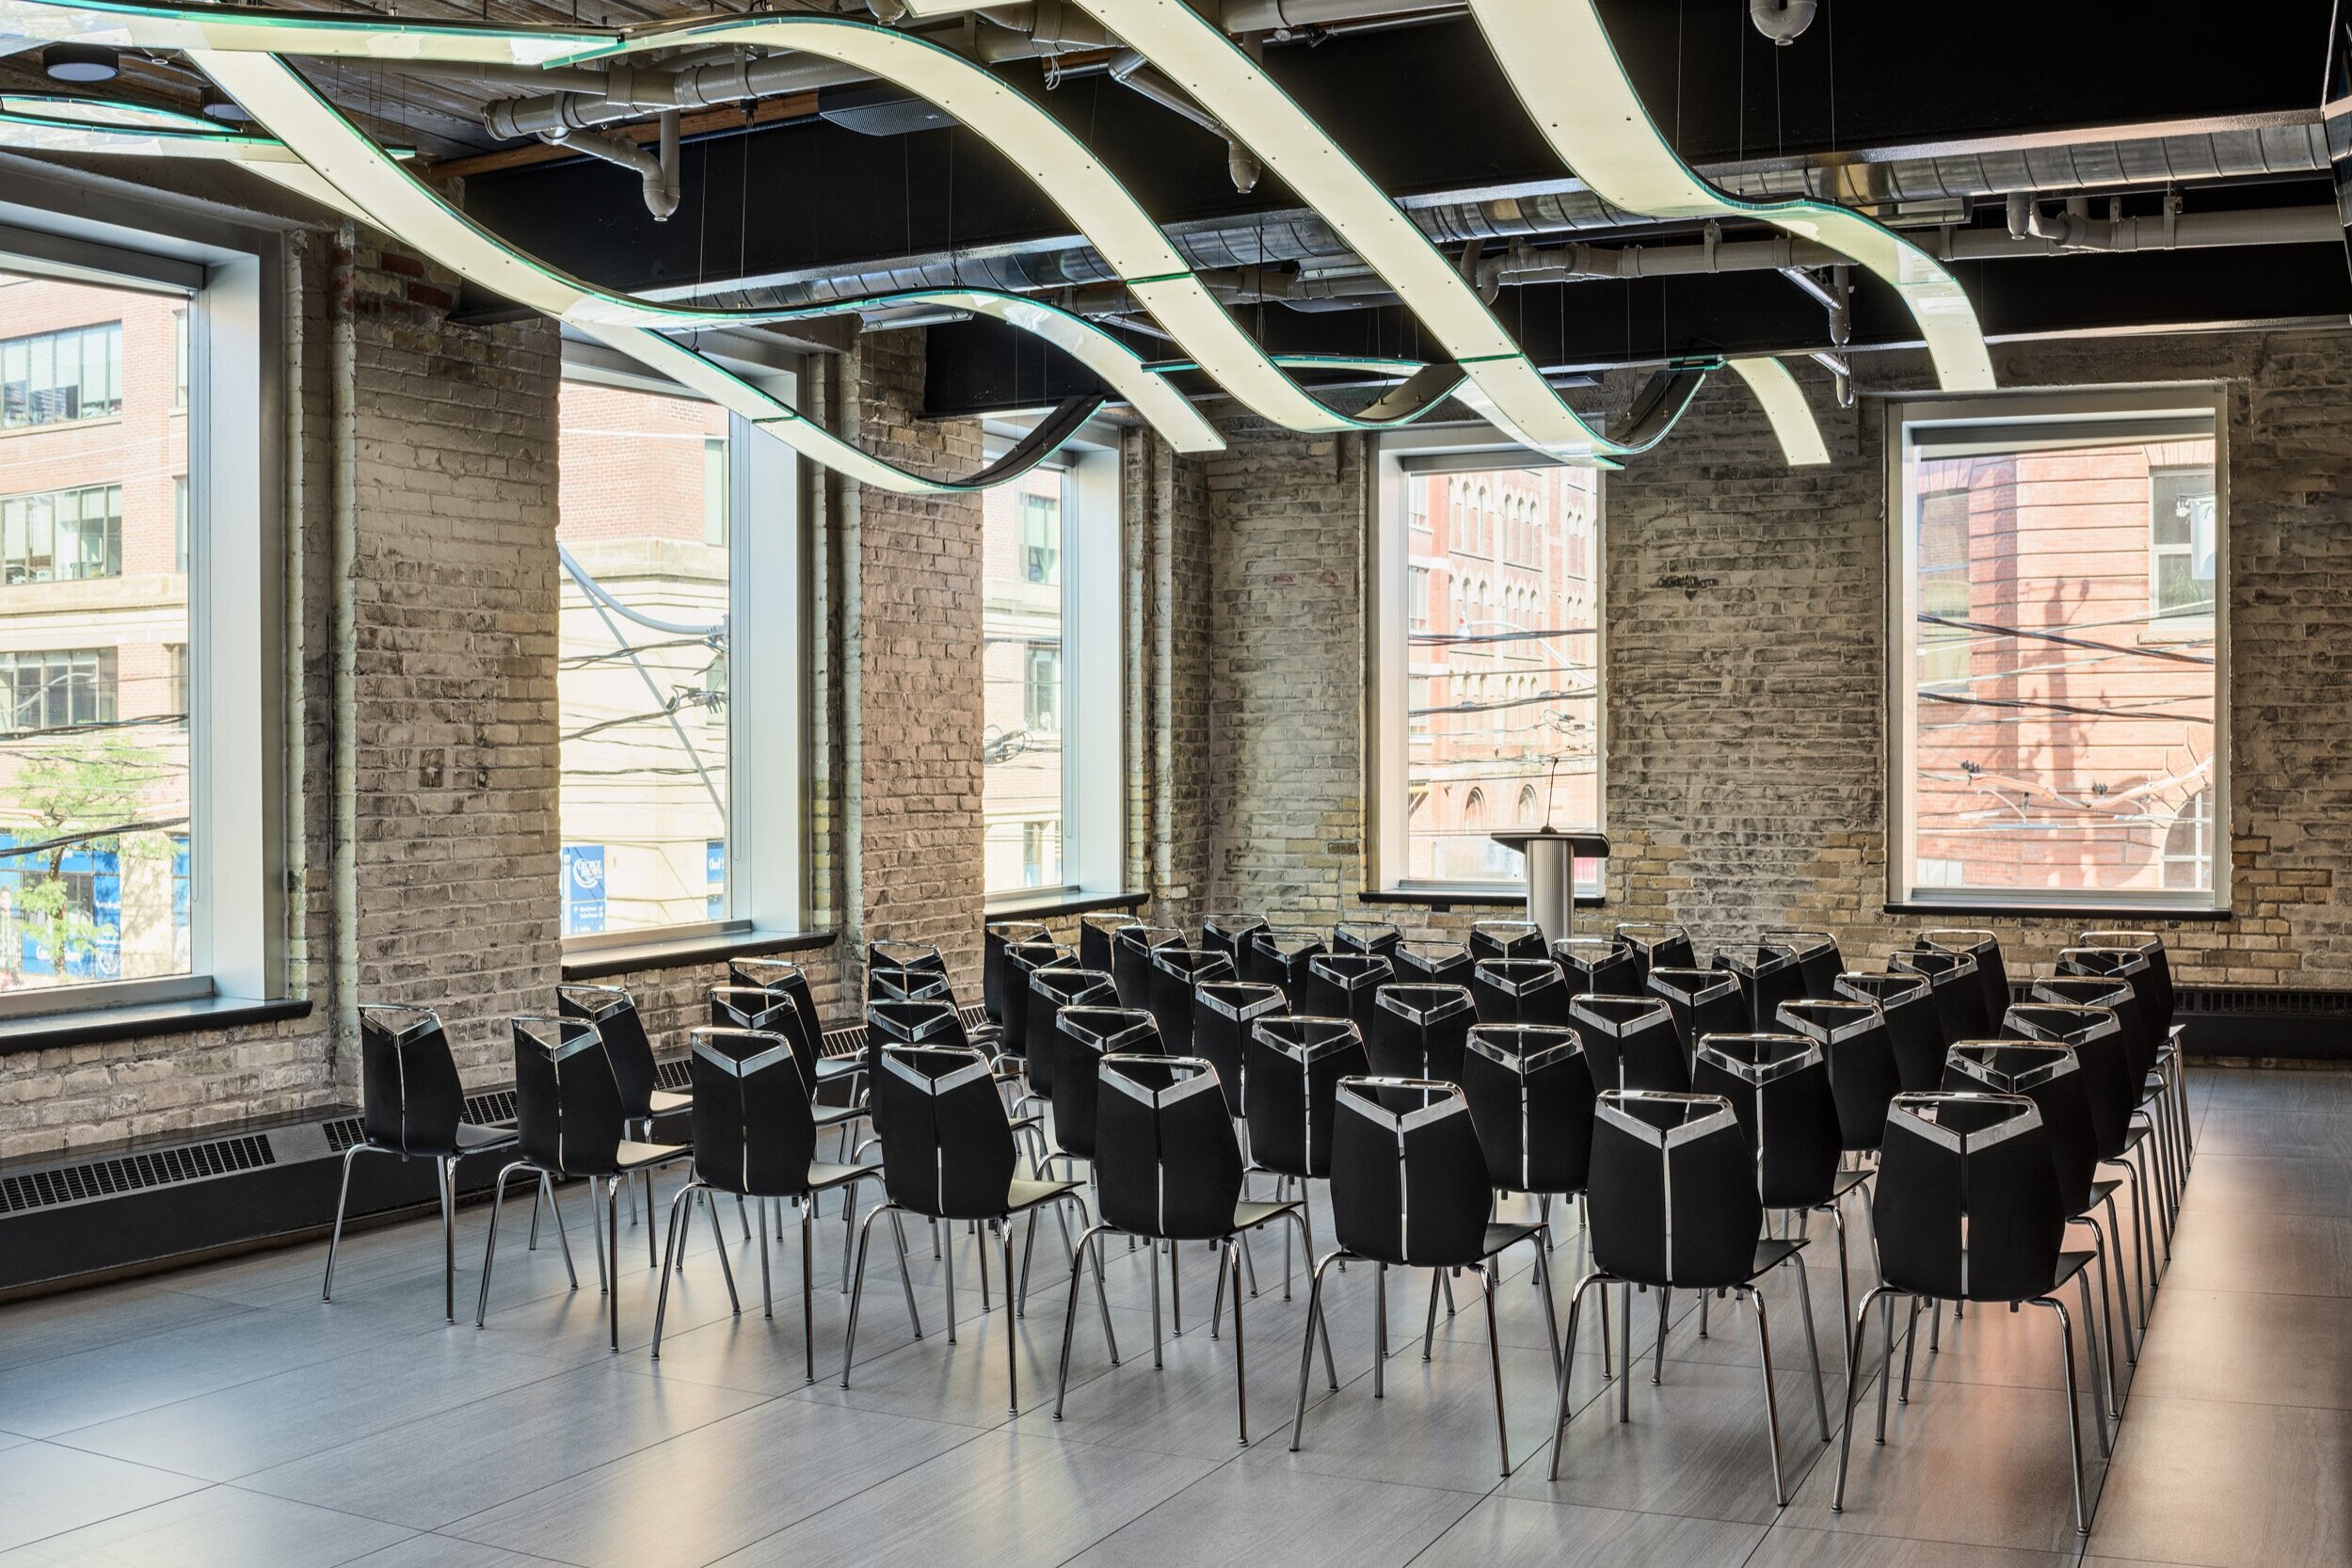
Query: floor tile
x=1790, y=1547
x=2294, y=1254
x=444, y=1551
x=80, y=1321
x=2276, y=1184
x=1505, y=1531
x=2250, y=1348
x=1300, y=1521
x=2229, y=1485
x=218, y=1527
x=45, y=1490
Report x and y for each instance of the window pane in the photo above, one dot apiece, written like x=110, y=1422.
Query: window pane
x=1021, y=681
x=641, y=685
x=93, y=711
x=1502, y=694
x=2062, y=722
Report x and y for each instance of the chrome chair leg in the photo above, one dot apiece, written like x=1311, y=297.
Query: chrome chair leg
x=445, y=1184
x=1241, y=1366
x=858, y=1289
x=2073, y=1413
x=808, y=1285
x=1771, y=1400
x=1812, y=1345
x=490, y=1245
x=1307, y=1351
x=1657, y=1352
x=1495, y=1356
x=1568, y=1362
x=563, y=1237
x=1086, y=1242
x=662, y=1296
x=612, y=1248
x=1011, y=1335
x=2099, y=1394
x=1883, y=1296
x=334, y=1237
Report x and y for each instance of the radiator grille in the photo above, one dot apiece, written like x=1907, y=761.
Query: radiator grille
x=132, y=1173
x=2276, y=1003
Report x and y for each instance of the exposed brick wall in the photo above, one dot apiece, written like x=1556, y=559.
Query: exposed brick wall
x=1172, y=680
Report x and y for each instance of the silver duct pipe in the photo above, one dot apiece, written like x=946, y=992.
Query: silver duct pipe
x=1132, y=70
x=659, y=171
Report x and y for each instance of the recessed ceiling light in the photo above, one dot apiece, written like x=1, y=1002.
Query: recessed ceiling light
x=80, y=62
x=220, y=106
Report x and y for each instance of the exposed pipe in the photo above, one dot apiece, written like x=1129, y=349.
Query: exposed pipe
x=1131, y=70
x=293, y=376
x=660, y=172
x=1781, y=20
x=342, y=614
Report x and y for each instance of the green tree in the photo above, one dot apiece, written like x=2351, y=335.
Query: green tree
x=74, y=798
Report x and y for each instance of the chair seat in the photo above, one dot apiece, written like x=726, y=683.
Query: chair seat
x=824, y=1176
x=985, y=1035
x=831, y=1067
x=2071, y=1264
x=664, y=1102
x=633, y=1156
x=1248, y=1214
x=1847, y=1182
x=1501, y=1236
x=1023, y=1196
x=473, y=1136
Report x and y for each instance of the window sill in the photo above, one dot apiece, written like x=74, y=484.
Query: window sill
x=601, y=963
x=97, y=1025
x=1046, y=906
x=1442, y=899
x=2060, y=911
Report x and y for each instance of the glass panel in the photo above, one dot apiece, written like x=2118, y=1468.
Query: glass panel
x=93, y=675
x=641, y=683
x=1021, y=680
x=1501, y=686
x=2064, y=719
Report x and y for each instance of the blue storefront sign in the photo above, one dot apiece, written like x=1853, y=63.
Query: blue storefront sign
x=583, y=890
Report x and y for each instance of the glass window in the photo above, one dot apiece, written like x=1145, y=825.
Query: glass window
x=641, y=684
x=1041, y=538
x=179, y=359
x=57, y=377
x=1490, y=722
x=2058, y=686
x=61, y=535
x=1022, y=675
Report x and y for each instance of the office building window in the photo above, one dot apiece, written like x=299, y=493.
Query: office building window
x=57, y=377
x=61, y=535
x=2060, y=736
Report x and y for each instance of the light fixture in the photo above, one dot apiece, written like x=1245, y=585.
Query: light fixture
x=220, y=106
x=1559, y=59
x=81, y=63
x=1785, y=405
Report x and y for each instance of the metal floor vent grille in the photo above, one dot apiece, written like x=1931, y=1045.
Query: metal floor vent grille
x=130, y=1173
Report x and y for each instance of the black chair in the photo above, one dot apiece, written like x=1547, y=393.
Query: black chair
x=1224, y=1011
x=1955, y=987
x=1341, y=986
x=1863, y=1072
x=1969, y=1209
x=1088, y=1035
x=764, y=1012
x=1432, y=964
x=613, y=1013
x=786, y=979
x=1914, y=1028
x=1992, y=975
x=573, y=1120
x=1520, y=991
x=947, y=1155
x=1021, y=960
x=1132, y=947
x=413, y=1106
x=2155, y=1052
x=1815, y=953
x=2160, y=996
x=888, y=953
x=1170, y=1172
x=1292, y=1067
x=1409, y=1190
x=1377, y=936
x=1672, y=1204
x=1632, y=1041
x=1049, y=992
x=1175, y=971
x=1508, y=939
x=1230, y=934
x=1597, y=965
x=909, y=1023
x=1778, y=1087
x=1094, y=933
x=1769, y=975
x=1532, y=1093
x=891, y=983
x=1703, y=1002
x=1419, y=1031
x=1657, y=947
x=996, y=982
x=756, y=1136
x=1278, y=956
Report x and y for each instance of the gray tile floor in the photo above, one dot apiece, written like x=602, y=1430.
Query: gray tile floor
x=223, y=1415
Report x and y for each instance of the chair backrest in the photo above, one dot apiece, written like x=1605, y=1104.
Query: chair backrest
x=1673, y=1195
x=1815, y=953
x=994, y=980
x=1175, y=971
x=909, y=1023
x=568, y=1111
x=1049, y=991
x=1294, y=1067
x=1992, y=975
x=1093, y=938
x=1418, y=1031
x=1914, y=1028
x=1278, y=956
x=947, y=1147
x=1508, y=939
x=1432, y=963
x=787, y=980
x=2150, y=947
x=749, y=1007
x=1632, y=1041
x=2129, y=966
x=1531, y=1091
x=1862, y=1071
x=1778, y=1087
x=918, y=982
x=1088, y=1035
x=1657, y=947
x=1131, y=947
x=1703, y=1002
x=1224, y=1011
x=1341, y=984
x=1019, y=961
x=1597, y=965
x=754, y=1131
x=2111, y=1078
x=1378, y=936
x=1408, y=1179
x=2111, y=991
x=411, y=1096
x=1768, y=976
x=1968, y=1206
x=1958, y=990
x=1520, y=991
x=1168, y=1165
x=2048, y=1074
x=626, y=1047
x=890, y=953
x=1227, y=932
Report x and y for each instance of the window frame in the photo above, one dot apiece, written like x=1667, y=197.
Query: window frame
x=2097, y=414
x=1389, y=796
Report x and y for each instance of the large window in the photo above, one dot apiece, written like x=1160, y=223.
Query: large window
x=1486, y=660
x=2059, y=733
x=60, y=535
x=57, y=377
